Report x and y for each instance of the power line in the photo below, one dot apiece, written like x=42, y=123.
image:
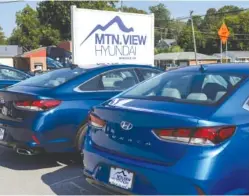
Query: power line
x=14, y=1
x=203, y=15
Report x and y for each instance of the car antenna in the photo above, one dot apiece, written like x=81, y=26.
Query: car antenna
x=202, y=68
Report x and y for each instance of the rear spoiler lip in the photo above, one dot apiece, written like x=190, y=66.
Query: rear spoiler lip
x=153, y=111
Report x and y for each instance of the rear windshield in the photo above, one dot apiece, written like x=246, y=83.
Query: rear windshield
x=186, y=87
x=53, y=78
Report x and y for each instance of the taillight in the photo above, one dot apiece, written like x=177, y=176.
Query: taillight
x=199, y=136
x=96, y=121
x=37, y=105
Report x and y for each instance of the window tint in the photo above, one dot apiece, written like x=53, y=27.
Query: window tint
x=92, y=85
x=148, y=73
x=185, y=87
x=8, y=74
x=114, y=80
x=53, y=78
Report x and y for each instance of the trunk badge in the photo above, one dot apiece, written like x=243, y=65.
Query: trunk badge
x=126, y=125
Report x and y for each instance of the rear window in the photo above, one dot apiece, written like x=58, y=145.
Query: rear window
x=186, y=87
x=53, y=78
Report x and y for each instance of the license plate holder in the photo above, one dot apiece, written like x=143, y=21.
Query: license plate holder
x=121, y=178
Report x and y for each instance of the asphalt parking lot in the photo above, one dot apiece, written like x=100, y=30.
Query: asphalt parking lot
x=55, y=174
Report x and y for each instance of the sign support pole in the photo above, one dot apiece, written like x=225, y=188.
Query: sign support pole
x=73, y=8
x=226, y=53
x=221, y=51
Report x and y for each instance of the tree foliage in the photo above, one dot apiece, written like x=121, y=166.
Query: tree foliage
x=133, y=10
x=57, y=14
x=51, y=24
x=2, y=37
x=206, y=30
x=162, y=20
x=29, y=33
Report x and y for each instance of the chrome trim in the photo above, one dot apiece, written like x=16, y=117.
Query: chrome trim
x=180, y=142
x=245, y=105
x=77, y=89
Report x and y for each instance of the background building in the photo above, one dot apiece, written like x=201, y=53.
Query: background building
x=234, y=56
x=7, y=54
x=164, y=60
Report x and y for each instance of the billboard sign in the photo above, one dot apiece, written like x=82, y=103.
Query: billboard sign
x=105, y=37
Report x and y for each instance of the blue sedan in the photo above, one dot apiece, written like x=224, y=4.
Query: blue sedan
x=48, y=112
x=182, y=132
x=10, y=76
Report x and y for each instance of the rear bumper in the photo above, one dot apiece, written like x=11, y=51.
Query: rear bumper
x=17, y=135
x=192, y=176
x=147, y=181
x=105, y=187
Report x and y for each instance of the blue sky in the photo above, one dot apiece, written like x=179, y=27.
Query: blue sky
x=177, y=9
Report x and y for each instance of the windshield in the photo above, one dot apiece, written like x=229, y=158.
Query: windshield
x=53, y=78
x=186, y=87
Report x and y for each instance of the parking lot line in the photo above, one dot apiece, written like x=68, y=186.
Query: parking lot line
x=68, y=179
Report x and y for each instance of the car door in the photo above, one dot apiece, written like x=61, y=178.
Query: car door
x=10, y=76
x=108, y=84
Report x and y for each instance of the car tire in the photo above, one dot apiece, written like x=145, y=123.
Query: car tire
x=80, y=137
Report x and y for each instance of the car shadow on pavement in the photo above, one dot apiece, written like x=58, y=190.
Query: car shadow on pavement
x=72, y=182
x=11, y=160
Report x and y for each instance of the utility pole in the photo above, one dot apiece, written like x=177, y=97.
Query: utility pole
x=121, y=5
x=193, y=32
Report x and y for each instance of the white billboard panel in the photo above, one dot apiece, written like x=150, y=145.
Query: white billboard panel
x=105, y=37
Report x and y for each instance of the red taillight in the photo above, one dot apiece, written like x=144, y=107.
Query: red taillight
x=35, y=139
x=199, y=136
x=96, y=121
x=37, y=105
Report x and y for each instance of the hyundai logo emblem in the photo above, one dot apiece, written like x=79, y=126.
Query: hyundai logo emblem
x=126, y=125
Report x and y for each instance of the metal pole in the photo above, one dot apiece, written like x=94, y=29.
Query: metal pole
x=226, y=53
x=73, y=9
x=121, y=5
x=220, y=51
x=193, y=32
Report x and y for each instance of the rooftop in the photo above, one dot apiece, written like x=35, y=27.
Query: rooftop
x=184, y=56
x=234, y=54
x=10, y=50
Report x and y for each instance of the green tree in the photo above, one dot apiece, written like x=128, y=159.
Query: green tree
x=133, y=10
x=176, y=49
x=2, y=37
x=162, y=15
x=57, y=14
x=30, y=33
x=162, y=21
x=185, y=39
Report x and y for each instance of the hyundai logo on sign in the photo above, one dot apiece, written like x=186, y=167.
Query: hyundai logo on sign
x=126, y=125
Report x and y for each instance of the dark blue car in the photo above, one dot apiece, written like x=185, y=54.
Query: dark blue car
x=49, y=111
x=183, y=132
x=10, y=76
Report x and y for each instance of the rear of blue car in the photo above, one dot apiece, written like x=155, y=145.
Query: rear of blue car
x=33, y=117
x=162, y=138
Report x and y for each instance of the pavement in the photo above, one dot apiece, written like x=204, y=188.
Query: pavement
x=50, y=174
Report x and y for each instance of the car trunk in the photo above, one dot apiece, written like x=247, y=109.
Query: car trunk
x=140, y=142
x=8, y=97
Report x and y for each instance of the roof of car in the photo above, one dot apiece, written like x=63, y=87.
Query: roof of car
x=113, y=66
x=238, y=68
